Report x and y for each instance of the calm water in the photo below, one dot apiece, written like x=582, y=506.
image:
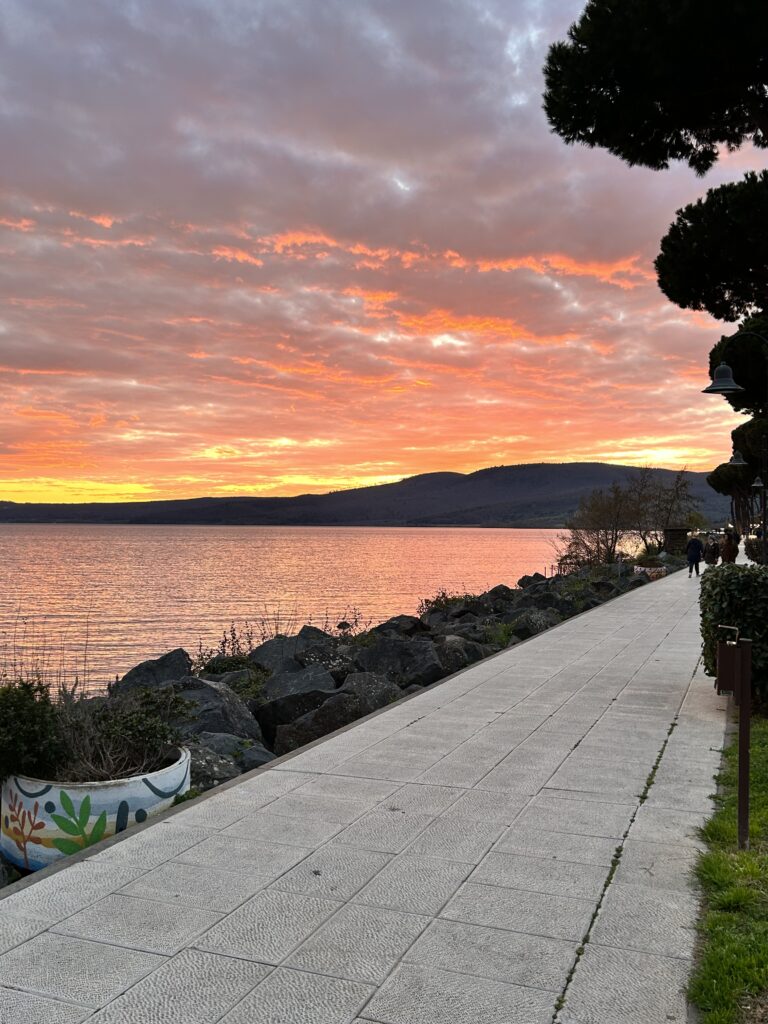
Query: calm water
x=137, y=591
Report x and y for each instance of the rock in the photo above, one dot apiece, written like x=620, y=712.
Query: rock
x=470, y=606
x=638, y=580
x=402, y=661
x=565, y=606
x=502, y=599
x=246, y=754
x=288, y=684
x=289, y=695
x=224, y=743
x=476, y=631
x=240, y=677
x=215, y=708
x=276, y=655
x=403, y=625
x=309, y=636
x=336, y=658
x=254, y=756
x=157, y=672
x=456, y=652
x=606, y=588
x=209, y=769
x=362, y=693
x=434, y=618
x=537, y=596
x=285, y=653
x=534, y=621
x=335, y=713
x=372, y=691
x=527, y=581
x=413, y=688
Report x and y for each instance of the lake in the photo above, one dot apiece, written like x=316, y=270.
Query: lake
x=95, y=600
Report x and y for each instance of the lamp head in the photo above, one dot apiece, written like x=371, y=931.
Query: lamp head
x=723, y=382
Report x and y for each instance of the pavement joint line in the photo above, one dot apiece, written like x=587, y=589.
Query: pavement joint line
x=47, y=995
x=562, y=998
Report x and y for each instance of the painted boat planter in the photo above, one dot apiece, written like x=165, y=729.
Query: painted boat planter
x=43, y=821
x=655, y=573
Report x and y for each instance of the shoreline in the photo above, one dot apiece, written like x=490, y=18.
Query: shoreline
x=252, y=705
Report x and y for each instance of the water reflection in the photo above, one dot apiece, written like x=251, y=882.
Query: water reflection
x=140, y=590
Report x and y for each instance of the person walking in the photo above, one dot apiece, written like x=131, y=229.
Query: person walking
x=730, y=547
x=711, y=551
x=694, y=549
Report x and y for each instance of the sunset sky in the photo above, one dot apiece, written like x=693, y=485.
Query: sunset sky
x=277, y=246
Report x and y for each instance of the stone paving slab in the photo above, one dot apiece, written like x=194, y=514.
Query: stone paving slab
x=441, y=862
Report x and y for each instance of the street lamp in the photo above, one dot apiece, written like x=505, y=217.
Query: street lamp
x=724, y=384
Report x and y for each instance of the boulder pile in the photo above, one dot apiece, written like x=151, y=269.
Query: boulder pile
x=245, y=710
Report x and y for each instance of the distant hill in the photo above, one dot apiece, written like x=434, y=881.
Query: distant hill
x=540, y=494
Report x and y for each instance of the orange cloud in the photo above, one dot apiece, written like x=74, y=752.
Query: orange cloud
x=227, y=252
x=349, y=259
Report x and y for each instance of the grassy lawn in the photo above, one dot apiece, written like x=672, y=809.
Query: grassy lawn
x=730, y=983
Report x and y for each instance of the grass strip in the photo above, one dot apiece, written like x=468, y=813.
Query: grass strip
x=730, y=982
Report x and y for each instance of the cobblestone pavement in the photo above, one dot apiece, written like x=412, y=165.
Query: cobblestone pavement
x=446, y=861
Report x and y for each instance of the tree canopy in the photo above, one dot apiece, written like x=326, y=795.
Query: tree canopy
x=746, y=355
x=637, y=512
x=654, y=81
x=735, y=482
x=748, y=439
x=715, y=254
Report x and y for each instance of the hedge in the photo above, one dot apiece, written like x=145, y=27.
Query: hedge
x=736, y=595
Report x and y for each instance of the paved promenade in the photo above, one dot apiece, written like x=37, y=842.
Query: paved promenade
x=447, y=861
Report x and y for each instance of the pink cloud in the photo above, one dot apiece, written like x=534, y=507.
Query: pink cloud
x=275, y=246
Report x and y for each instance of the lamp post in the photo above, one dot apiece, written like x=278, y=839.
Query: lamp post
x=724, y=384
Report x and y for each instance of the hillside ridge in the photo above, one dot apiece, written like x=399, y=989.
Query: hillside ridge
x=540, y=494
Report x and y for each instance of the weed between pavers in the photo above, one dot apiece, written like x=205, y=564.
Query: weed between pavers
x=615, y=860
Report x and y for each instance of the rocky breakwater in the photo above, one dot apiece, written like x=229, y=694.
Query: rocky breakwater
x=248, y=708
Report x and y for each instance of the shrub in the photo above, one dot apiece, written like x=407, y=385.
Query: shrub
x=115, y=737
x=31, y=738
x=753, y=549
x=251, y=688
x=736, y=595
x=442, y=600
x=499, y=634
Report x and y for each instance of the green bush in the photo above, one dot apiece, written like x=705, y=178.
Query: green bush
x=736, y=595
x=221, y=663
x=31, y=738
x=499, y=634
x=443, y=600
x=251, y=688
x=753, y=549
